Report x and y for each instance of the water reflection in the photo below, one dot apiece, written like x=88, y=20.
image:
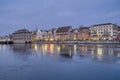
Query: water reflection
x=66, y=51
x=100, y=53
x=22, y=51
x=20, y=48
x=2, y=47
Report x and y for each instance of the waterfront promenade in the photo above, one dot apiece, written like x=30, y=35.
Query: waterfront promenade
x=80, y=42
x=69, y=42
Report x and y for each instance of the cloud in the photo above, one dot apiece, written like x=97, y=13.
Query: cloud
x=55, y=13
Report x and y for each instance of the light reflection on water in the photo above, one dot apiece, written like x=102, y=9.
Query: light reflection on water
x=67, y=61
x=103, y=53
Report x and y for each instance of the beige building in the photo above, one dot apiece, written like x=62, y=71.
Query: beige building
x=52, y=34
x=84, y=33
x=34, y=36
x=104, y=31
x=75, y=34
x=42, y=35
x=22, y=36
x=63, y=33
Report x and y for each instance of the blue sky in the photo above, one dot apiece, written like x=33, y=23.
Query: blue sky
x=47, y=14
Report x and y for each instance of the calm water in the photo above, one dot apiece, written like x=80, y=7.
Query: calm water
x=60, y=62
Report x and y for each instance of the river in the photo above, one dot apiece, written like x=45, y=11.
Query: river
x=60, y=62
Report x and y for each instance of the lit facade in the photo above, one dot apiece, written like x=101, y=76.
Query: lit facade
x=104, y=31
x=33, y=36
x=21, y=36
x=39, y=35
x=52, y=34
x=75, y=34
x=42, y=35
x=84, y=33
x=64, y=33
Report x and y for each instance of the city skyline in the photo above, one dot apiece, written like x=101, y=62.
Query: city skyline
x=53, y=14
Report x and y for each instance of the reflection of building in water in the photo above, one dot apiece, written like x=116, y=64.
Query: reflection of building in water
x=103, y=54
x=44, y=48
x=22, y=51
x=21, y=47
x=99, y=53
x=58, y=49
x=2, y=47
x=75, y=49
x=83, y=49
x=51, y=48
x=37, y=48
x=66, y=51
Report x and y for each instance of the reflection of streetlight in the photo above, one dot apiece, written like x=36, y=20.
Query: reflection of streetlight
x=58, y=49
x=70, y=53
x=36, y=47
x=2, y=47
x=44, y=48
x=51, y=48
x=92, y=50
x=99, y=52
x=118, y=55
x=75, y=48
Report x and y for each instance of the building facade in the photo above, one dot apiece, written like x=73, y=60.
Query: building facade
x=84, y=33
x=42, y=35
x=39, y=35
x=63, y=33
x=105, y=31
x=75, y=34
x=34, y=36
x=21, y=36
x=52, y=35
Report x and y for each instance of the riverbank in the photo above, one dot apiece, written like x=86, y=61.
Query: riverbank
x=79, y=42
x=68, y=42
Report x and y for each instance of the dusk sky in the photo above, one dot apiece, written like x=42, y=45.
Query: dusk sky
x=47, y=14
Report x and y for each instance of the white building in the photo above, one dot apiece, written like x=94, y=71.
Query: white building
x=104, y=31
x=52, y=34
x=39, y=34
x=42, y=35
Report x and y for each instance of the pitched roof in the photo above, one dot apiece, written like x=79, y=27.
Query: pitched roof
x=22, y=31
x=75, y=30
x=83, y=28
x=102, y=24
x=63, y=29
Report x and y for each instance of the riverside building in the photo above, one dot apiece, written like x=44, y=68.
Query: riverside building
x=64, y=33
x=107, y=31
x=21, y=36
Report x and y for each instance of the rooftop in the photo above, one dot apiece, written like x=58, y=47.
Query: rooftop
x=22, y=31
x=63, y=29
x=102, y=24
x=83, y=28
